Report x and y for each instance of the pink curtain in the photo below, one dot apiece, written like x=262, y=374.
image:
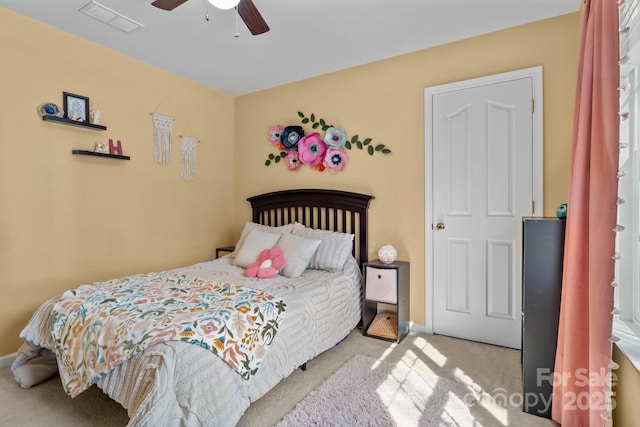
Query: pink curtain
x=581, y=382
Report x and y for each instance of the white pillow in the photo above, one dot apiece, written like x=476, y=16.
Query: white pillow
x=298, y=252
x=249, y=226
x=332, y=252
x=256, y=242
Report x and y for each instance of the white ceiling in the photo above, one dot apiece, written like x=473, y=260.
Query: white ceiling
x=307, y=38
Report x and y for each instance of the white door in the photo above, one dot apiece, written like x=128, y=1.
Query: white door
x=482, y=186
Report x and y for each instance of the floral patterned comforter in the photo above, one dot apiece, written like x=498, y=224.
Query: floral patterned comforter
x=97, y=327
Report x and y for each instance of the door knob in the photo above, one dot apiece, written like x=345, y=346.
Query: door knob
x=440, y=226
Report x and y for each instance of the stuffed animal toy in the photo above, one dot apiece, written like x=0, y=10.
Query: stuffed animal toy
x=268, y=265
x=561, y=212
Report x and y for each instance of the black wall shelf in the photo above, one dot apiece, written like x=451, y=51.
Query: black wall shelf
x=67, y=121
x=93, y=153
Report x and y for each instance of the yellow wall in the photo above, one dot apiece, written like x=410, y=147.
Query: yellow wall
x=626, y=391
x=385, y=101
x=67, y=220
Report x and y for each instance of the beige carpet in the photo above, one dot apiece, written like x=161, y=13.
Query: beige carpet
x=486, y=370
x=370, y=392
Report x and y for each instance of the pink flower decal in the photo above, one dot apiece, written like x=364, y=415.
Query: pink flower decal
x=335, y=159
x=319, y=152
x=335, y=137
x=275, y=133
x=311, y=149
x=292, y=160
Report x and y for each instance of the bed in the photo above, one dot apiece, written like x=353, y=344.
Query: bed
x=177, y=383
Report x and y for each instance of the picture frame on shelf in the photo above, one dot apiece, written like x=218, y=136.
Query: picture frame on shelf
x=75, y=107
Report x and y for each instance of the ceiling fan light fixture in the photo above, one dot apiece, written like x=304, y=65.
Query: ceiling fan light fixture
x=224, y=4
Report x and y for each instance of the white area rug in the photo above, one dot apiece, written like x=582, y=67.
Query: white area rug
x=368, y=392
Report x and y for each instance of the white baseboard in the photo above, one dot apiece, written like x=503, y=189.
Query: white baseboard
x=422, y=329
x=7, y=361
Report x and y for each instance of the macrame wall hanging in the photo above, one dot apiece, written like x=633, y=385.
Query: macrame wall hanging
x=162, y=138
x=189, y=146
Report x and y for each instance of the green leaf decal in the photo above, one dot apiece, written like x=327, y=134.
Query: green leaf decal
x=370, y=150
x=305, y=120
x=278, y=159
x=300, y=113
x=347, y=145
x=271, y=156
x=359, y=144
x=315, y=125
x=313, y=117
x=386, y=151
x=379, y=147
x=367, y=141
x=267, y=163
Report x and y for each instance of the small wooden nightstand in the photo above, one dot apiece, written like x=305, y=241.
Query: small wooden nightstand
x=386, y=284
x=224, y=250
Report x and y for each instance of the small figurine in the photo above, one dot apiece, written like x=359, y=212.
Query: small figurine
x=95, y=116
x=561, y=212
x=50, y=109
x=101, y=148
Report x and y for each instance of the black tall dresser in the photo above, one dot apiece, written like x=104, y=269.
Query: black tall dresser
x=543, y=256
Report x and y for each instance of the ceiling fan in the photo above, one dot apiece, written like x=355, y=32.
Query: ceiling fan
x=245, y=8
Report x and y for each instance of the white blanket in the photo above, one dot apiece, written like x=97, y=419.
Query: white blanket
x=176, y=383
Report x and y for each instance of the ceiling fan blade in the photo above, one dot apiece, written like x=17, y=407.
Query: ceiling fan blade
x=167, y=4
x=251, y=17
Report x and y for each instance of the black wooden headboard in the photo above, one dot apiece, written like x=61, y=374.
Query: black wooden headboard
x=333, y=210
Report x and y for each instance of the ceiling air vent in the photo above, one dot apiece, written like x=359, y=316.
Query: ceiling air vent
x=110, y=17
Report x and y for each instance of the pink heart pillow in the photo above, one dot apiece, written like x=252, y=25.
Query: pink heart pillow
x=268, y=265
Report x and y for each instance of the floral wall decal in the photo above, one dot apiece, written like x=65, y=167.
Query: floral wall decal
x=317, y=151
